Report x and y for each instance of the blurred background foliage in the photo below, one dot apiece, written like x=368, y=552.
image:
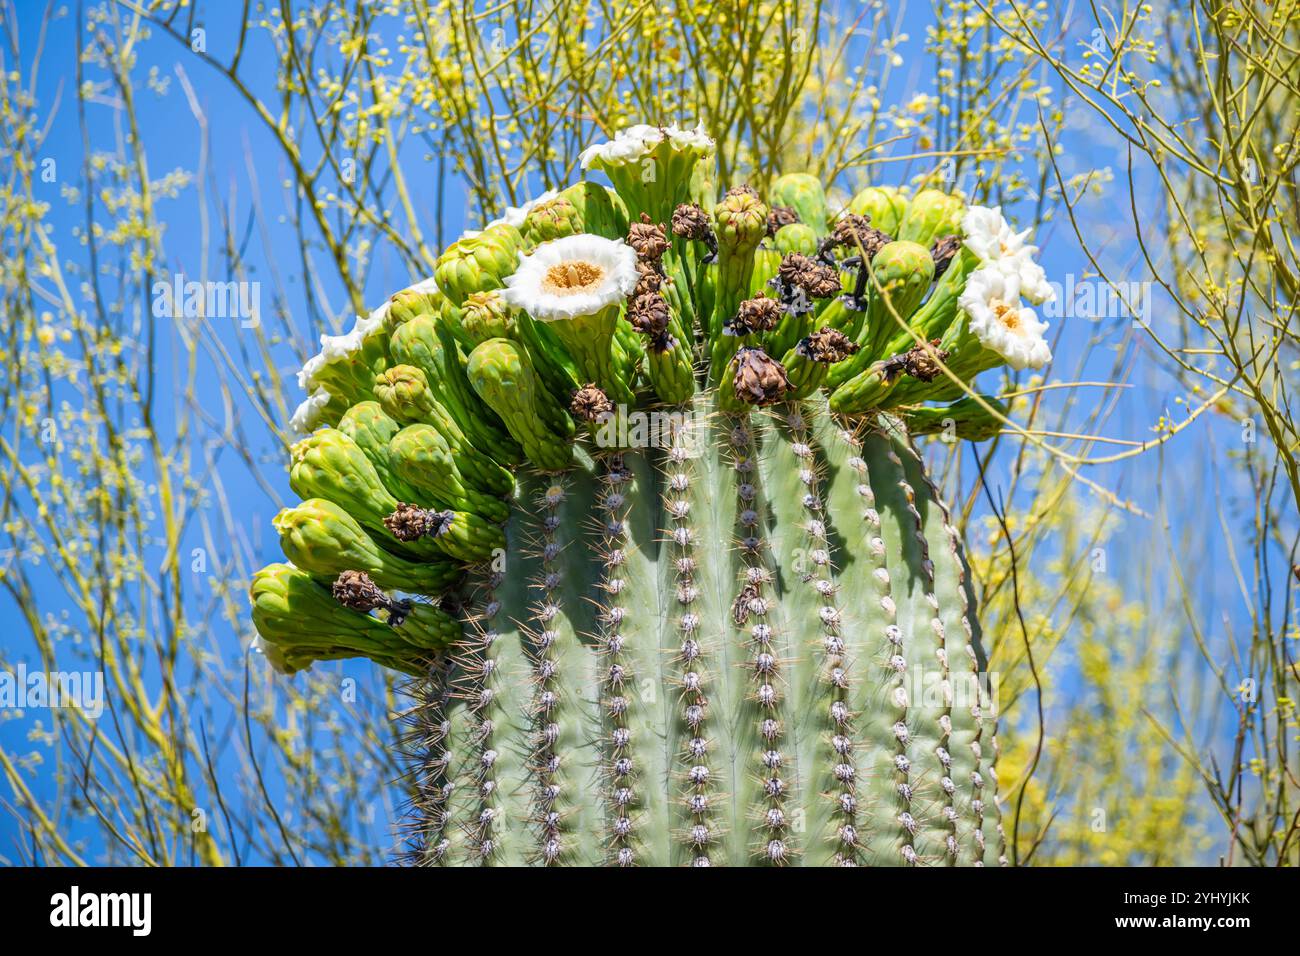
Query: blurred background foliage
x=1133, y=530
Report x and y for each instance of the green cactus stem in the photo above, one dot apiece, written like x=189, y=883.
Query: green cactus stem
x=731, y=650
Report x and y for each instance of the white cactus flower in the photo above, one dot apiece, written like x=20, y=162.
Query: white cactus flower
x=635, y=142
x=307, y=414
x=1001, y=321
x=986, y=233
x=573, y=276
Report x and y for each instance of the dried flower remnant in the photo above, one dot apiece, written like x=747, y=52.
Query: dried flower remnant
x=759, y=378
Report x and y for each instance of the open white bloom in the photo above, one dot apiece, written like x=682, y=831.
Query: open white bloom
x=987, y=234
x=573, y=276
x=1001, y=321
x=308, y=413
x=635, y=142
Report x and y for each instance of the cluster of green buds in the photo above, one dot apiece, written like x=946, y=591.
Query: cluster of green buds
x=592, y=304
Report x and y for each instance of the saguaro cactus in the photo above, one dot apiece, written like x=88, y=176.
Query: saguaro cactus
x=632, y=496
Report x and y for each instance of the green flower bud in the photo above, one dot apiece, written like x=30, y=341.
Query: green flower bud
x=300, y=622
x=423, y=458
x=429, y=346
x=551, y=360
x=346, y=366
x=328, y=464
x=599, y=211
x=934, y=319
x=478, y=263
x=901, y=275
x=805, y=195
x=930, y=214
x=371, y=429
x=403, y=392
x=502, y=374
x=320, y=537
x=485, y=315
x=411, y=303
x=552, y=219
x=796, y=237
x=739, y=223
x=966, y=419
x=864, y=391
x=885, y=206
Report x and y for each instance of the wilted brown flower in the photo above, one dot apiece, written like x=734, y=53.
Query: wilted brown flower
x=827, y=345
x=759, y=379
x=356, y=590
x=648, y=239
x=690, y=222
x=410, y=523
x=649, y=314
x=779, y=216
x=943, y=251
x=922, y=362
x=856, y=234
x=759, y=314
x=590, y=403
x=818, y=281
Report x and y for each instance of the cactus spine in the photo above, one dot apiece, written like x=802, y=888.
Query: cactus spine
x=666, y=603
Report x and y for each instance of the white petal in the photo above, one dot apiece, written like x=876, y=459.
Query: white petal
x=307, y=414
x=635, y=142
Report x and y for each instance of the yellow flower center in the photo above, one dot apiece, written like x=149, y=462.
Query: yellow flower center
x=570, y=278
x=1007, y=315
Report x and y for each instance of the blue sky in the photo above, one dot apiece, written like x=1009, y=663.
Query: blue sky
x=1187, y=478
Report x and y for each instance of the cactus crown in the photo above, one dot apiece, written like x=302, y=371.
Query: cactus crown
x=628, y=489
